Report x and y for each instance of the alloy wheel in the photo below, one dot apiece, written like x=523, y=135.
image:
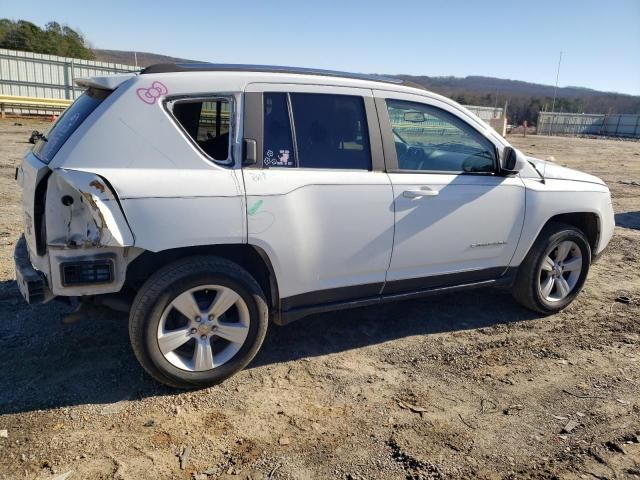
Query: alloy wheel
x=203, y=328
x=560, y=271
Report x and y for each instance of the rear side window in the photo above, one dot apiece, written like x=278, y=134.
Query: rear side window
x=47, y=147
x=278, y=144
x=329, y=131
x=207, y=122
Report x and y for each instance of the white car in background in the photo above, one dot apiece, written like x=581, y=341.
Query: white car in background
x=208, y=199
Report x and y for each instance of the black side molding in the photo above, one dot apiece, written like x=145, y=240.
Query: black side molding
x=293, y=308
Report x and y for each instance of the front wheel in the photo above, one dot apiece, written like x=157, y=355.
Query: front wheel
x=554, y=270
x=197, y=321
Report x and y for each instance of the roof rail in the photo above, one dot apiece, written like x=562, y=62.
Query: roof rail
x=222, y=67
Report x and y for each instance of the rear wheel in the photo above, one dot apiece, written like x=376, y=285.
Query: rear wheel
x=198, y=321
x=554, y=271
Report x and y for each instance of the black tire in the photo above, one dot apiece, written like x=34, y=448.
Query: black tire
x=525, y=288
x=163, y=287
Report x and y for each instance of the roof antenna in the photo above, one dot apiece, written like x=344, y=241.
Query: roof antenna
x=555, y=90
x=553, y=108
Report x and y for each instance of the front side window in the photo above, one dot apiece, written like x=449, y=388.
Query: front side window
x=430, y=139
x=330, y=131
x=207, y=122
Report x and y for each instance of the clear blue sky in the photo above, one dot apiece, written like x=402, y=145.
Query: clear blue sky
x=600, y=39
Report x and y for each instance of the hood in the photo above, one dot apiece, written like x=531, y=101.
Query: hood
x=554, y=171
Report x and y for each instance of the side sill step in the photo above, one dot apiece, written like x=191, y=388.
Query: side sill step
x=288, y=316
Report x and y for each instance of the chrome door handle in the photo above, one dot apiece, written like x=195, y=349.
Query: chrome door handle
x=419, y=193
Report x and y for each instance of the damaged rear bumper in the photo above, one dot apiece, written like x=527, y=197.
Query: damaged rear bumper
x=32, y=283
x=77, y=241
x=72, y=273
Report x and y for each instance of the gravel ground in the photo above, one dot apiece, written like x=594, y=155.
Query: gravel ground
x=458, y=386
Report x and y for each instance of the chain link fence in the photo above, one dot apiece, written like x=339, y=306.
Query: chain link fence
x=582, y=124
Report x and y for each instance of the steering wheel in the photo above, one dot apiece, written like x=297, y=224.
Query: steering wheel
x=416, y=157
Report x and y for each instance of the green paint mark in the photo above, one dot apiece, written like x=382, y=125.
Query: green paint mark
x=254, y=208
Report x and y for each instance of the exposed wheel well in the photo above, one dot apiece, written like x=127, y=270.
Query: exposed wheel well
x=251, y=258
x=586, y=222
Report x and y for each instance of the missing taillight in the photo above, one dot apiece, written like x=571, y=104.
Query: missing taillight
x=87, y=272
x=39, y=224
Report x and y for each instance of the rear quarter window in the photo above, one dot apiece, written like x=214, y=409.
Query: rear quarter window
x=207, y=122
x=46, y=148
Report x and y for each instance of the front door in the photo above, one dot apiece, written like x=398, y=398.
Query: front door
x=318, y=202
x=456, y=220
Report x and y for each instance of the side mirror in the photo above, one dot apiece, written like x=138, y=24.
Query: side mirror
x=249, y=152
x=511, y=163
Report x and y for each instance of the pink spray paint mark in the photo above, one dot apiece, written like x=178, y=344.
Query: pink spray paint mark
x=151, y=94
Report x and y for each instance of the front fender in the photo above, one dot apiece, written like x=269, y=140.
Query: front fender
x=557, y=197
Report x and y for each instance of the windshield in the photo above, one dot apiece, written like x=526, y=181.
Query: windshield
x=48, y=145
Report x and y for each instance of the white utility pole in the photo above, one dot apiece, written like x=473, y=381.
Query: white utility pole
x=555, y=91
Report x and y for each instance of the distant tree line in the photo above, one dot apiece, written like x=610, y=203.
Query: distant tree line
x=54, y=39
x=526, y=100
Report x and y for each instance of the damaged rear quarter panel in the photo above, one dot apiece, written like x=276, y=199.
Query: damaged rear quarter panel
x=83, y=212
x=84, y=222
x=172, y=194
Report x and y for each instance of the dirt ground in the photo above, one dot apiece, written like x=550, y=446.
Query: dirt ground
x=461, y=386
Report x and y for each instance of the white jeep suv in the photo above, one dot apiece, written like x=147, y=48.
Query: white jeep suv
x=207, y=199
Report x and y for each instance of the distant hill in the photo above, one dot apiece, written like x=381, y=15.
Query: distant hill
x=128, y=58
x=478, y=83
x=524, y=99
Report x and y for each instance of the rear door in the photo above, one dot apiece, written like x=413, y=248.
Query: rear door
x=457, y=220
x=318, y=200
